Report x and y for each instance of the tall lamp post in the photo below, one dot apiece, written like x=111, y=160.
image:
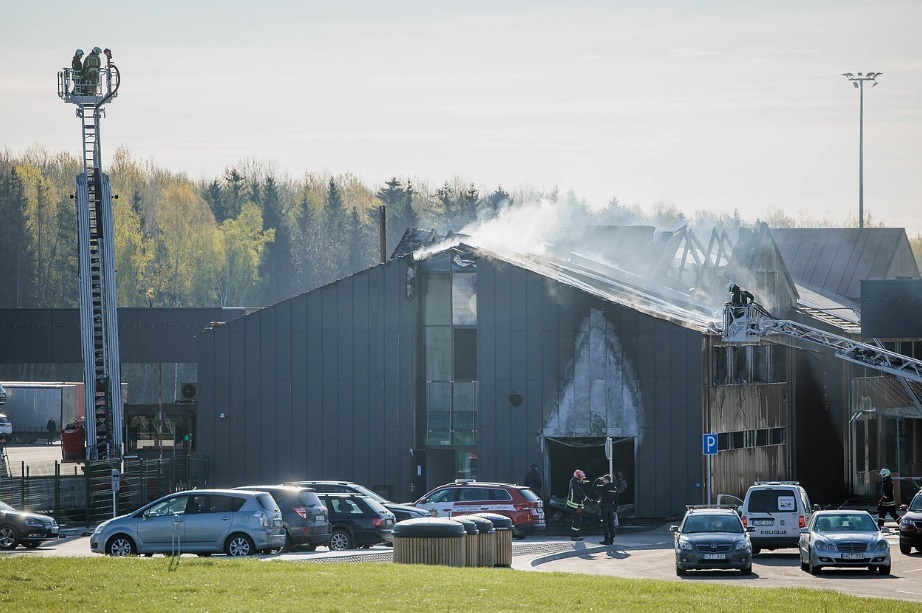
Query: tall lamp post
x=858, y=81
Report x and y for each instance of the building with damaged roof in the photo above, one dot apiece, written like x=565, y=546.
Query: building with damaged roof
x=471, y=358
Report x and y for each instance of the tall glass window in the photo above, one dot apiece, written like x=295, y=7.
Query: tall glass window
x=450, y=357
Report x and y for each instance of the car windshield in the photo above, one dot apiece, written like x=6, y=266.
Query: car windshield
x=916, y=504
x=844, y=523
x=6, y=507
x=712, y=523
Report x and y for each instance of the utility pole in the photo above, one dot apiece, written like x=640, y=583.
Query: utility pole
x=858, y=81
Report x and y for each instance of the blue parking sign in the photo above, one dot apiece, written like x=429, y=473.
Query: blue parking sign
x=709, y=444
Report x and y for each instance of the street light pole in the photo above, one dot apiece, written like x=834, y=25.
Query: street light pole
x=858, y=81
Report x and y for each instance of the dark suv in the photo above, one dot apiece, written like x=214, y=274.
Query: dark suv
x=400, y=511
x=358, y=521
x=306, y=519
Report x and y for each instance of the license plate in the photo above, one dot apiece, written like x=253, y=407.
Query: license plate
x=852, y=556
x=762, y=522
x=54, y=530
x=715, y=556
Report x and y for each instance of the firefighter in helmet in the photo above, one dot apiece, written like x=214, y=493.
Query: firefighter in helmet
x=576, y=497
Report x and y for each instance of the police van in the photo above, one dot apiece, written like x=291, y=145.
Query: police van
x=776, y=510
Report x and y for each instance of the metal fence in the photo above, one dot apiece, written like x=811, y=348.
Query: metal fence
x=90, y=495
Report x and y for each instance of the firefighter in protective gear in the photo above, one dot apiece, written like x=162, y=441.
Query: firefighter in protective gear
x=91, y=66
x=76, y=71
x=887, y=503
x=576, y=497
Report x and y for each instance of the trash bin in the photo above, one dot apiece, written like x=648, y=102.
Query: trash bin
x=73, y=443
x=503, y=527
x=471, y=540
x=429, y=540
x=486, y=540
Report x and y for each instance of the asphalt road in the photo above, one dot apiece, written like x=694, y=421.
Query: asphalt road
x=652, y=557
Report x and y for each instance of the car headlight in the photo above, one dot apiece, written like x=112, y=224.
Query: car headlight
x=31, y=521
x=880, y=546
x=685, y=544
x=824, y=546
x=100, y=528
x=741, y=545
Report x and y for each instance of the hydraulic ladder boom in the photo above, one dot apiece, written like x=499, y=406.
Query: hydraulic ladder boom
x=96, y=252
x=749, y=323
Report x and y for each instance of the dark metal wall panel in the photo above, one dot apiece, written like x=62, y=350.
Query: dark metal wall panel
x=666, y=362
x=239, y=439
x=286, y=436
x=146, y=336
x=327, y=412
x=891, y=308
x=347, y=375
x=253, y=393
x=301, y=430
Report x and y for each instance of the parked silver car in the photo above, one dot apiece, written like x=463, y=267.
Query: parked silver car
x=843, y=539
x=235, y=522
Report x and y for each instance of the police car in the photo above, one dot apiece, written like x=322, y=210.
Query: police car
x=467, y=496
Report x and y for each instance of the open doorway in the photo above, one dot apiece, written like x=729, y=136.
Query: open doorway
x=588, y=454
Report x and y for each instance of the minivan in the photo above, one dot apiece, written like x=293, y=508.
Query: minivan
x=234, y=522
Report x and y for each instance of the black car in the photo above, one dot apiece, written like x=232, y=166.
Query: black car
x=306, y=519
x=358, y=521
x=400, y=511
x=24, y=528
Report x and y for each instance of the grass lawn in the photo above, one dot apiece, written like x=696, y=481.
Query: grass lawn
x=195, y=584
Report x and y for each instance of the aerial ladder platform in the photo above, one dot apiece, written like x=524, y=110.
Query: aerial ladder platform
x=89, y=90
x=749, y=324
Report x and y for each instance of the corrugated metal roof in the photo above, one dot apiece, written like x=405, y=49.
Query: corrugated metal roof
x=833, y=261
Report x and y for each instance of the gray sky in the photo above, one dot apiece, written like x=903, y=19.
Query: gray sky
x=715, y=105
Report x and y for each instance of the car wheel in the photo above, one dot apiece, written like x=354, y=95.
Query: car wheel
x=31, y=544
x=340, y=540
x=747, y=570
x=813, y=570
x=239, y=545
x=121, y=546
x=680, y=571
x=884, y=570
x=289, y=544
x=9, y=536
x=756, y=551
x=804, y=566
x=905, y=549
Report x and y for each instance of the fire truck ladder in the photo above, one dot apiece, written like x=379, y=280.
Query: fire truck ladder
x=748, y=324
x=96, y=252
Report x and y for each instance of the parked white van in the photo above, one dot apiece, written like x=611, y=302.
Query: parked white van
x=777, y=510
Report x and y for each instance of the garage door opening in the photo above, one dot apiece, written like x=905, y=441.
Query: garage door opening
x=588, y=454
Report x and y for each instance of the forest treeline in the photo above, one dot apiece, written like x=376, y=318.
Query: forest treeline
x=250, y=237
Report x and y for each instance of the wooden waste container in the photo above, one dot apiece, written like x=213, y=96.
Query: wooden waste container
x=486, y=540
x=429, y=540
x=471, y=540
x=503, y=527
